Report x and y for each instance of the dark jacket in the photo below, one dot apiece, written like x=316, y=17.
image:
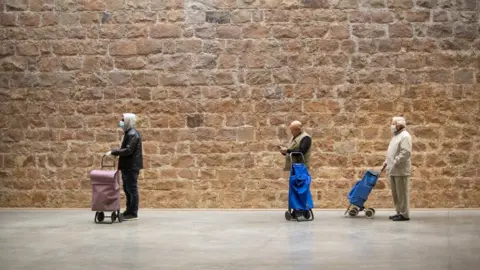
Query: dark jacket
x=131, y=157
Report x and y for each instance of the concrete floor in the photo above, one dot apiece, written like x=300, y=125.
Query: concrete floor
x=227, y=240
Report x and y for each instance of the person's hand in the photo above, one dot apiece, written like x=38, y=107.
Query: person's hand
x=283, y=150
x=109, y=153
x=384, y=163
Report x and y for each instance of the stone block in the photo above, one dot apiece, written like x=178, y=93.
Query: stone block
x=219, y=17
x=165, y=30
x=368, y=31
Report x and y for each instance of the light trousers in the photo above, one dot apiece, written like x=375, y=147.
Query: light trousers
x=400, y=186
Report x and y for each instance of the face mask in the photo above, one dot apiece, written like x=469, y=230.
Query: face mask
x=122, y=124
x=394, y=128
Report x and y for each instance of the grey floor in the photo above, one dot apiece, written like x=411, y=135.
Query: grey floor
x=68, y=239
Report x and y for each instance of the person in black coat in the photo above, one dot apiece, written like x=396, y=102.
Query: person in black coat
x=130, y=163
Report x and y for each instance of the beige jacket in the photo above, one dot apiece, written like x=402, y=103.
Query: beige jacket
x=295, y=146
x=399, y=154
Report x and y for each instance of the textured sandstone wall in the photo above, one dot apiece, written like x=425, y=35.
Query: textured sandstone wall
x=212, y=82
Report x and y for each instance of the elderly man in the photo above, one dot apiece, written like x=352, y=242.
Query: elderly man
x=399, y=168
x=130, y=163
x=300, y=142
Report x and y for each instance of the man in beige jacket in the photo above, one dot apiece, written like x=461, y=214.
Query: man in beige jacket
x=300, y=142
x=399, y=168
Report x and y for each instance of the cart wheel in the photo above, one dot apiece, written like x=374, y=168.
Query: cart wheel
x=353, y=212
x=369, y=213
x=119, y=216
x=113, y=216
x=101, y=216
x=373, y=210
x=306, y=214
x=95, y=219
x=288, y=216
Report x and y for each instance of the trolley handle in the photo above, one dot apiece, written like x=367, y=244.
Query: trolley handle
x=383, y=168
x=296, y=153
x=104, y=166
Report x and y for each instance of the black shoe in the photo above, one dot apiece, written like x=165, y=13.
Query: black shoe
x=128, y=217
x=394, y=216
x=400, y=218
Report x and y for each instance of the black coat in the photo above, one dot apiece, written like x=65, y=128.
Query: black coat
x=131, y=157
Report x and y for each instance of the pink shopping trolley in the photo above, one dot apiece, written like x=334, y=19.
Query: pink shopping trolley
x=106, y=193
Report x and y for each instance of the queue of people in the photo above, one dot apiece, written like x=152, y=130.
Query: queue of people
x=398, y=162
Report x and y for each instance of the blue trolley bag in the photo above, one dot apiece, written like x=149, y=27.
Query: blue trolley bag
x=359, y=193
x=300, y=201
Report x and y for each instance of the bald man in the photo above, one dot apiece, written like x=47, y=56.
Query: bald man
x=300, y=142
x=399, y=167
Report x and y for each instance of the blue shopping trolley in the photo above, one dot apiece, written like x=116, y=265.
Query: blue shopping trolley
x=300, y=201
x=359, y=193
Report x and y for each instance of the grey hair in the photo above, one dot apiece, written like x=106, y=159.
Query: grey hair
x=129, y=120
x=400, y=120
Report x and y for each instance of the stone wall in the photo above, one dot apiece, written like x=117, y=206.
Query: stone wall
x=213, y=81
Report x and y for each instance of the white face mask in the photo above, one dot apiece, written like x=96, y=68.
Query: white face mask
x=393, y=128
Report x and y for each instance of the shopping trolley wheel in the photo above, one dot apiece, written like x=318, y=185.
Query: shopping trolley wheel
x=101, y=216
x=113, y=217
x=288, y=216
x=369, y=213
x=306, y=214
x=353, y=212
x=120, y=216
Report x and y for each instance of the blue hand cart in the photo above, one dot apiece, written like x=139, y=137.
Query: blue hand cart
x=359, y=193
x=300, y=201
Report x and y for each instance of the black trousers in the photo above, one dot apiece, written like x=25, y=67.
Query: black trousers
x=130, y=180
